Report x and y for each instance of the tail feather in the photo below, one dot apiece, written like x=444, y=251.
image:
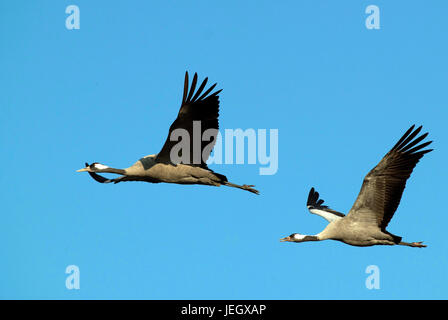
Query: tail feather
x=396, y=239
x=222, y=177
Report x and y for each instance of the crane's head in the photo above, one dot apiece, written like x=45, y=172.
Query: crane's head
x=94, y=167
x=297, y=237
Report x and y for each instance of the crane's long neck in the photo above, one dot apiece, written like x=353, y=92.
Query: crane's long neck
x=113, y=170
x=309, y=238
x=101, y=168
x=296, y=237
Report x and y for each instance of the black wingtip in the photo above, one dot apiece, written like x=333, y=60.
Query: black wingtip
x=313, y=199
x=310, y=195
x=409, y=142
x=204, y=95
x=217, y=92
x=190, y=96
x=201, y=87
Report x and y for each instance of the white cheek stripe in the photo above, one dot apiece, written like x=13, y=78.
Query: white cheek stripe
x=101, y=166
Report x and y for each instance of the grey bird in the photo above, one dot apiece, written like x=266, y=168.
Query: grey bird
x=365, y=224
x=198, y=118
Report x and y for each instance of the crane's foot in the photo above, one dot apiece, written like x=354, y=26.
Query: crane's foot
x=249, y=187
x=418, y=244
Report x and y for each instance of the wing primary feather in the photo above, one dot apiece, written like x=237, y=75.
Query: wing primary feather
x=413, y=143
x=409, y=138
x=185, y=87
x=193, y=87
x=310, y=197
x=201, y=87
x=420, y=147
x=215, y=93
x=403, y=137
x=207, y=92
x=315, y=197
x=314, y=201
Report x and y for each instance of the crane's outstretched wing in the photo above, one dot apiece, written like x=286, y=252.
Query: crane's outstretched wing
x=383, y=186
x=315, y=206
x=196, y=110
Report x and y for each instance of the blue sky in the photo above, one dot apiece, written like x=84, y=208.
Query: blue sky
x=339, y=94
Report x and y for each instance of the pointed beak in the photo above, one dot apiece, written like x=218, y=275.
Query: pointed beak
x=83, y=169
x=286, y=239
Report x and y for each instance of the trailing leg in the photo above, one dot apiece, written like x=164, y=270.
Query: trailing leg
x=243, y=187
x=413, y=244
